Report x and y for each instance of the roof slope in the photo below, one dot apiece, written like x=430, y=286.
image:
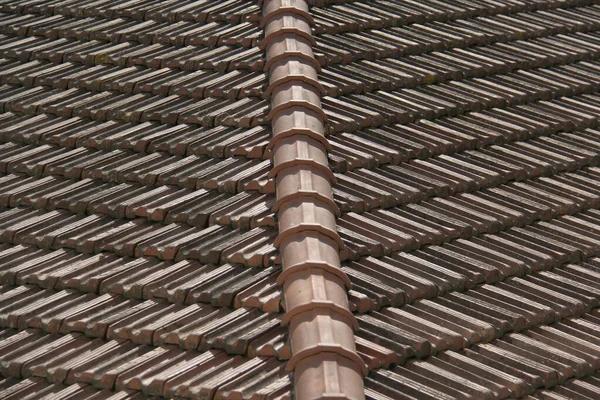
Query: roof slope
x=137, y=249
x=136, y=234
x=465, y=151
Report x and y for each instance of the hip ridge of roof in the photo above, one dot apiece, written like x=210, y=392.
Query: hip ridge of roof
x=321, y=326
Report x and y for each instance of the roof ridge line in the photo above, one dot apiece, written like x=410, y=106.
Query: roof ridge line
x=321, y=326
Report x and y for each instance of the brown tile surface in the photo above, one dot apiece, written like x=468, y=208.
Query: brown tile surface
x=462, y=142
x=137, y=219
x=138, y=149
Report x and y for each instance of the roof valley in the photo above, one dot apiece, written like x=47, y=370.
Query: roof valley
x=324, y=357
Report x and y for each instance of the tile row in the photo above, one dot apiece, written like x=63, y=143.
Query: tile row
x=158, y=54
x=349, y=113
x=438, y=220
x=121, y=365
x=143, y=278
x=450, y=67
x=477, y=203
x=365, y=156
x=454, y=259
x=384, y=108
x=467, y=171
x=133, y=80
x=138, y=237
x=146, y=137
x=399, y=41
x=123, y=29
x=368, y=148
x=354, y=16
x=474, y=129
x=230, y=175
x=546, y=117
x=166, y=204
x=363, y=75
x=245, y=330
x=458, y=320
x=33, y=388
x=140, y=107
x=379, y=233
x=500, y=91
x=384, y=188
x=127, y=54
x=152, y=322
x=561, y=356
x=148, y=310
x=231, y=11
x=579, y=389
x=442, y=373
x=462, y=263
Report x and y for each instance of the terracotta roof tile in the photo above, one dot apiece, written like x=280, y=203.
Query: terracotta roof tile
x=151, y=150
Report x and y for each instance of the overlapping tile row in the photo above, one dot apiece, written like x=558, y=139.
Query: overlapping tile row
x=457, y=137
x=115, y=93
x=379, y=233
x=127, y=54
x=138, y=237
x=569, y=294
x=497, y=205
x=468, y=201
x=236, y=72
x=324, y=355
x=219, y=285
x=492, y=208
x=156, y=322
x=538, y=147
x=560, y=358
x=457, y=320
x=403, y=277
x=189, y=44
x=467, y=171
x=166, y=204
x=503, y=325
x=147, y=137
x=193, y=312
x=147, y=301
x=385, y=108
x=231, y=175
x=32, y=388
x=123, y=29
x=54, y=49
x=404, y=39
x=580, y=389
x=456, y=96
x=133, y=79
x=455, y=64
x=470, y=170
x=140, y=107
x=145, y=278
x=129, y=369
x=562, y=100
x=458, y=64
x=73, y=129
x=233, y=11
x=497, y=92
x=481, y=128
x=439, y=220
x=585, y=121
x=335, y=16
x=483, y=281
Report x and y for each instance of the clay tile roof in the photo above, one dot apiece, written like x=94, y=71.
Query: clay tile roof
x=278, y=199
